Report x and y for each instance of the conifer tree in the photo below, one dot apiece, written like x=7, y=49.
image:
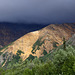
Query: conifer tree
x=64, y=43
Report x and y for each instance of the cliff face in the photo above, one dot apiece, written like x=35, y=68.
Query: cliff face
x=36, y=42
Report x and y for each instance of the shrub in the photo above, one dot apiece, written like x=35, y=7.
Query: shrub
x=2, y=72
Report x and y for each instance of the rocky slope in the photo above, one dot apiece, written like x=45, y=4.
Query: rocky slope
x=35, y=43
x=71, y=41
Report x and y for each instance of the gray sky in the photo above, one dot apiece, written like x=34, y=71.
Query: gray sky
x=37, y=11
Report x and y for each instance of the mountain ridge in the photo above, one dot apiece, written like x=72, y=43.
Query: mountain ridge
x=35, y=43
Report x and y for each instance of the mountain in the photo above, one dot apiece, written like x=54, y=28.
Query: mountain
x=59, y=61
x=10, y=32
x=70, y=47
x=37, y=43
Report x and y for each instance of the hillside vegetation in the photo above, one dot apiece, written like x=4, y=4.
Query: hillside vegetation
x=58, y=62
x=34, y=54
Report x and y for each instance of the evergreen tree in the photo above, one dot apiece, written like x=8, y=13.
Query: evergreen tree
x=64, y=43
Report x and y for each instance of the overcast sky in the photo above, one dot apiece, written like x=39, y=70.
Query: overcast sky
x=37, y=11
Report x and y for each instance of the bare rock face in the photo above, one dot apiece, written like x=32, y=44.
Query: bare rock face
x=36, y=42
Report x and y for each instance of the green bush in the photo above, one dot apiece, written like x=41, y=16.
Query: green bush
x=2, y=72
x=31, y=57
x=44, y=52
x=59, y=62
x=55, y=44
x=27, y=72
x=37, y=43
x=68, y=66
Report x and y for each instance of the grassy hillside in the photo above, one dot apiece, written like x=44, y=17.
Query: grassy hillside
x=59, y=61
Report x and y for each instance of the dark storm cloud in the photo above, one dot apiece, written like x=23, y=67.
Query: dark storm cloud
x=37, y=11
